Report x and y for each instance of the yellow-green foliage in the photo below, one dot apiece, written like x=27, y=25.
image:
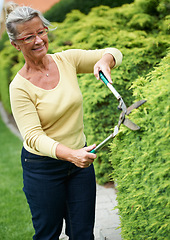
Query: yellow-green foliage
x=141, y=160
x=59, y=11
x=139, y=30
x=11, y=62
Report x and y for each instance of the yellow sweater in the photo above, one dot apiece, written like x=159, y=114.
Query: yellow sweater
x=48, y=117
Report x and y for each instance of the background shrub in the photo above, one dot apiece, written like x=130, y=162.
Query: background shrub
x=59, y=11
x=141, y=160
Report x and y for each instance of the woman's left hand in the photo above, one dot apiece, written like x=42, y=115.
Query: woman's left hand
x=105, y=64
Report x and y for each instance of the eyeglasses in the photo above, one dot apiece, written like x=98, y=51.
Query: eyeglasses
x=30, y=38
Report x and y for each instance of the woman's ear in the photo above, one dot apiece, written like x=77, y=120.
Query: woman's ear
x=16, y=45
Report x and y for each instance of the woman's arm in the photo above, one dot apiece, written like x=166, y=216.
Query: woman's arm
x=85, y=60
x=28, y=122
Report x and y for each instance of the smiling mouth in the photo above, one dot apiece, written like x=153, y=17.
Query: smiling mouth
x=38, y=48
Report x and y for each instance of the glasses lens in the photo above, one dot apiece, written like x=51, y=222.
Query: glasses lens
x=29, y=39
x=43, y=32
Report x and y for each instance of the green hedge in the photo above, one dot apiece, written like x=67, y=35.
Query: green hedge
x=141, y=161
x=59, y=11
x=143, y=46
x=10, y=63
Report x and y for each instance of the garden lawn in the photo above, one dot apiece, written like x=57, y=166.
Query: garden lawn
x=15, y=217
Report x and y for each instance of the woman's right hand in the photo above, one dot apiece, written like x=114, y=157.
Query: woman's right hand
x=81, y=157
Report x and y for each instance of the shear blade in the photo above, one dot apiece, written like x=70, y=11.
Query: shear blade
x=134, y=106
x=130, y=124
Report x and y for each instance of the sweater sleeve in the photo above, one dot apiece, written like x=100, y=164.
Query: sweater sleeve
x=84, y=60
x=28, y=122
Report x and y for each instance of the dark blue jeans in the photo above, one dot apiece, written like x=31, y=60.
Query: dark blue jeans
x=57, y=190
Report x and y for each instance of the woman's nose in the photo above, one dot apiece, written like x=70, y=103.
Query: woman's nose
x=38, y=39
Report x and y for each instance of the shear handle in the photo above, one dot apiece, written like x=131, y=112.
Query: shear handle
x=105, y=141
x=122, y=105
x=106, y=82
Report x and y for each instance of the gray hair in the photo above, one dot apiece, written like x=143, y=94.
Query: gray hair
x=20, y=14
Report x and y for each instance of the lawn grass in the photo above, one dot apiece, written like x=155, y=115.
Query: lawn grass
x=15, y=217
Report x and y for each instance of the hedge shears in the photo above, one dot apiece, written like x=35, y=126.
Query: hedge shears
x=122, y=118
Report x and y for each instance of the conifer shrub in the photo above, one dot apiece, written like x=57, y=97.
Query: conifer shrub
x=142, y=21
x=10, y=63
x=163, y=8
x=3, y=39
x=141, y=160
x=149, y=7
x=4, y=88
x=60, y=10
x=164, y=25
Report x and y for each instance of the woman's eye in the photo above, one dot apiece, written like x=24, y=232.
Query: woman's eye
x=41, y=32
x=29, y=38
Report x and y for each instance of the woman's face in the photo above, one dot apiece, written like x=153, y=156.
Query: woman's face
x=36, y=49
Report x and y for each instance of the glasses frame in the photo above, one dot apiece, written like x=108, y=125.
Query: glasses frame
x=36, y=34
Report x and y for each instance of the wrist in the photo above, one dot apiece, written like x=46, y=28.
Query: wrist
x=64, y=153
x=109, y=58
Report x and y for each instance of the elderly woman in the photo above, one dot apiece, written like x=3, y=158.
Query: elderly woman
x=58, y=173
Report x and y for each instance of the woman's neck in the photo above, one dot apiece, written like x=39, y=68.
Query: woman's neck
x=37, y=65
